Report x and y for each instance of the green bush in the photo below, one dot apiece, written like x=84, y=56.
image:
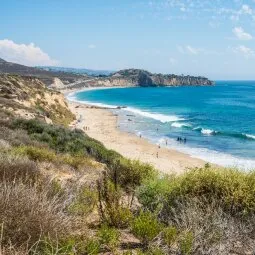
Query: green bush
x=234, y=190
x=76, y=161
x=109, y=237
x=84, y=203
x=92, y=246
x=50, y=246
x=111, y=207
x=170, y=235
x=131, y=173
x=153, y=193
x=146, y=227
x=35, y=153
x=65, y=140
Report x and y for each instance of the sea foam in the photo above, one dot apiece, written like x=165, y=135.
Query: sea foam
x=207, y=131
x=156, y=116
x=250, y=136
x=179, y=125
x=211, y=156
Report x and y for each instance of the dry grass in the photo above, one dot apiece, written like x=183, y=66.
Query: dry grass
x=28, y=214
x=213, y=231
x=13, y=168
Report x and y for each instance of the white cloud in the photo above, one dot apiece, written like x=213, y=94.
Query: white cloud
x=188, y=50
x=192, y=50
x=92, y=46
x=26, y=54
x=246, y=9
x=241, y=34
x=244, y=51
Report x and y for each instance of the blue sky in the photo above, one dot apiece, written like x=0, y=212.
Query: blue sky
x=214, y=38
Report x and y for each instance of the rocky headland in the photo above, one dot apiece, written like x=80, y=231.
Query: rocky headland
x=137, y=77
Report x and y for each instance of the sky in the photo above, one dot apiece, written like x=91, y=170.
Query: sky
x=212, y=38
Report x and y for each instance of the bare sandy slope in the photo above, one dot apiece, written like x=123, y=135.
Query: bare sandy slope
x=102, y=126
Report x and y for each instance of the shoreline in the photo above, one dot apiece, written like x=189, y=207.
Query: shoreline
x=102, y=126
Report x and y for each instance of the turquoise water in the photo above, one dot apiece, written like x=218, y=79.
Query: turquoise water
x=218, y=122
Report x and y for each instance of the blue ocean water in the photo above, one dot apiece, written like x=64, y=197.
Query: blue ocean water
x=218, y=121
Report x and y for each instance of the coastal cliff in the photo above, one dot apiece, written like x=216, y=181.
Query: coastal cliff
x=28, y=97
x=142, y=78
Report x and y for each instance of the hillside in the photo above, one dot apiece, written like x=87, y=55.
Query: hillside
x=29, y=98
x=82, y=71
x=46, y=76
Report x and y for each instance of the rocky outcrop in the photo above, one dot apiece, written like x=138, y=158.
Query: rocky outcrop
x=137, y=77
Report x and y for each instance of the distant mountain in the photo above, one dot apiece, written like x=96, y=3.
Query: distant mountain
x=89, y=72
x=46, y=76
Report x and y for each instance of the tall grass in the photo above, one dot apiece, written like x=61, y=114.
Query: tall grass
x=28, y=214
x=15, y=167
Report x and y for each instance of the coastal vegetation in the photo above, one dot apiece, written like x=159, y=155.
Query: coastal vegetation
x=62, y=192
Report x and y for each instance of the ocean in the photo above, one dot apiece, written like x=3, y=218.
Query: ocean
x=218, y=121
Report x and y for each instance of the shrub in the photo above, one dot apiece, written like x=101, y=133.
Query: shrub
x=215, y=231
x=109, y=237
x=233, y=189
x=15, y=167
x=92, y=246
x=76, y=161
x=170, y=235
x=112, y=208
x=15, y=137
x=131, y=173
x=50, y=246
x=27, y=214
x=84, y=203
x=35, y=153
x=153, y=193
x=146, y=227
x=65, y=140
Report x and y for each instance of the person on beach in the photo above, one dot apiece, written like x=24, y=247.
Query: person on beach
x=140, y=136
x=185, y=140
x=157, y=154
x=166, y=142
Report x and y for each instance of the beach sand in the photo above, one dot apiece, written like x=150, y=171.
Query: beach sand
x=102, y=126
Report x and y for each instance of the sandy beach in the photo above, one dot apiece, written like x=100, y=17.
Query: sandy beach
x=102, y=126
